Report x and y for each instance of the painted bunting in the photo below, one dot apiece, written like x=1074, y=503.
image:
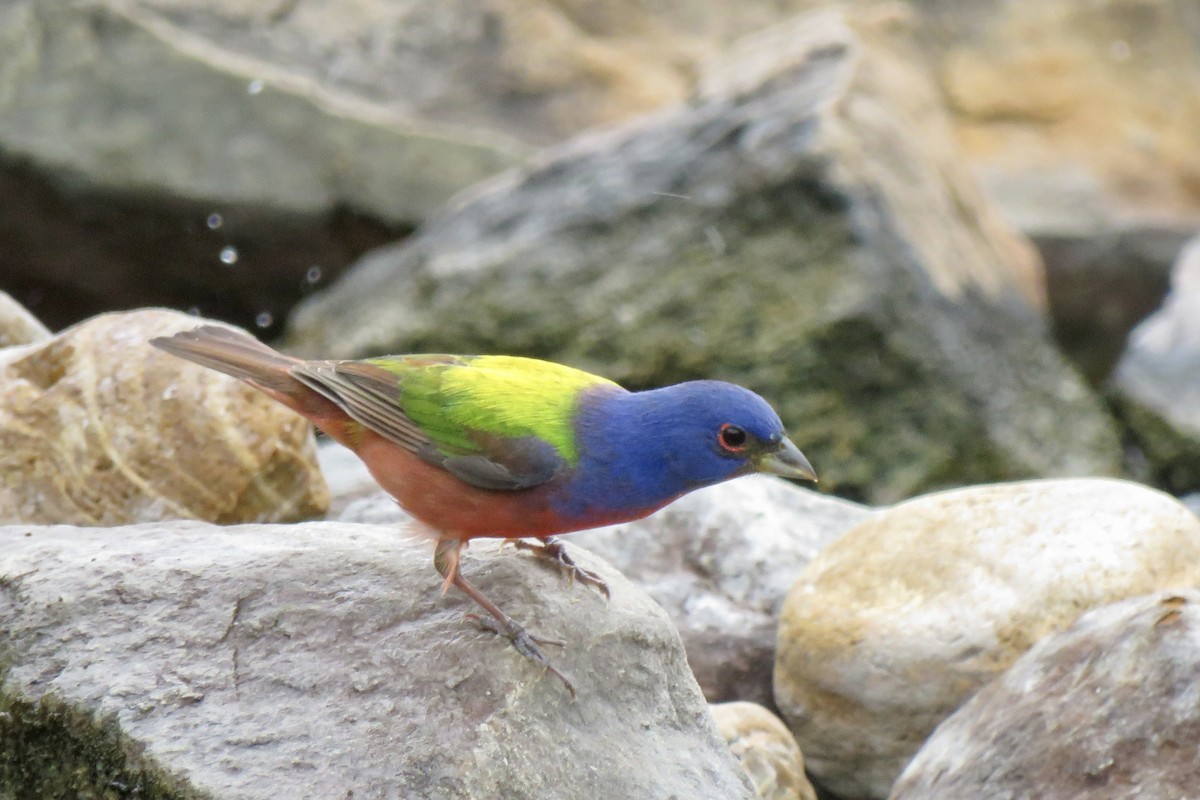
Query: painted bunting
x=500, y=446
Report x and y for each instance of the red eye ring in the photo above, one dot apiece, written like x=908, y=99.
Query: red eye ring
x=732, y=438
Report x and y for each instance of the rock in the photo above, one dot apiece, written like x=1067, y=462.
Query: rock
x=158, y=151
x=313, y=132
x=766, y=750
x=99, y=428
x=1058, y=105
x=1102, y=282
x=1104, y=709
x=17, y=325
x=720, y=562
x=321, y=659
x=1156, y=385
x=1192, y=501
x=775, y=231
x=200, y=120
x=1058, y=108
x=896, y=624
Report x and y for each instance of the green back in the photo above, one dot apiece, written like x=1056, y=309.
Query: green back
x=450, y=397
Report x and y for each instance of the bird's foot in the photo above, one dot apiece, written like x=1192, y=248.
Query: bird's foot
x=524, y=643
x=554, y=551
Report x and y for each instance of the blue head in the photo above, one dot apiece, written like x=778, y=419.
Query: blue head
x=639, y=451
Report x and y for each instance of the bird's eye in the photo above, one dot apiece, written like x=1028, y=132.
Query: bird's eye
x=732, y=438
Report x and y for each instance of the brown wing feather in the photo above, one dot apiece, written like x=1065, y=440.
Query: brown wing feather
x=368, y=394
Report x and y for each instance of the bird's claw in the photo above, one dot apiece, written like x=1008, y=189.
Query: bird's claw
x=524, y=643
x=554, y=551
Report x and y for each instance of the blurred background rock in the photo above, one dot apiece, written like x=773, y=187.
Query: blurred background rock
x=233, y=160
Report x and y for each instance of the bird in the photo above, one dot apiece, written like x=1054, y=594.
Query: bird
x=511, y=447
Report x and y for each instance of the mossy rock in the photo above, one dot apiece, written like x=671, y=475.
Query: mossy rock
x=801, y=227
x=50, y=749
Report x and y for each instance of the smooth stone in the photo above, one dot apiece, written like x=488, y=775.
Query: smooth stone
x=895, y=625
x=766, y=750
x=99, y=428
x=17, y=325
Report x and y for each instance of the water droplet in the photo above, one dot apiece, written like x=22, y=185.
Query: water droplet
x=264, y=319
x=229, y=255
x=215, y=221
x=313, y=275
x=254, y=87
x=194, y=311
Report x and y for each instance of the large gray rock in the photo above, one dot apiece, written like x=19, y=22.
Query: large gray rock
x=315, y=130
x=797, y=228
x=531, y=70
x=1104, y=709
x=1058, y=108
x=117, y=95
x=720, y=561
x=138, y=156
x=1156, y=385
x=320, y=660
x=895, y=625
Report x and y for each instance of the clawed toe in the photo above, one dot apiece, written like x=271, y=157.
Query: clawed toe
x=554, y=551
x=524, y=643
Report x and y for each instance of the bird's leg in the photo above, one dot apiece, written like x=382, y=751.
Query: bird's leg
x=553, y=550
x=445, y=559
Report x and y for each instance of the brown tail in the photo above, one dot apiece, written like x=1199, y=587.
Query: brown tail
x=239, y=354
x=234, y=353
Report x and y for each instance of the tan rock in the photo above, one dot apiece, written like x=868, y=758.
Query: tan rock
x=1110, y=87
x=766, y=750
x=17, y=325
x=99, y=428
x=896, y=624
x=1092, y=103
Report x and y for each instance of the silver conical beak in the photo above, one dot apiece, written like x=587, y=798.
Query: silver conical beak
x=788, y=462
